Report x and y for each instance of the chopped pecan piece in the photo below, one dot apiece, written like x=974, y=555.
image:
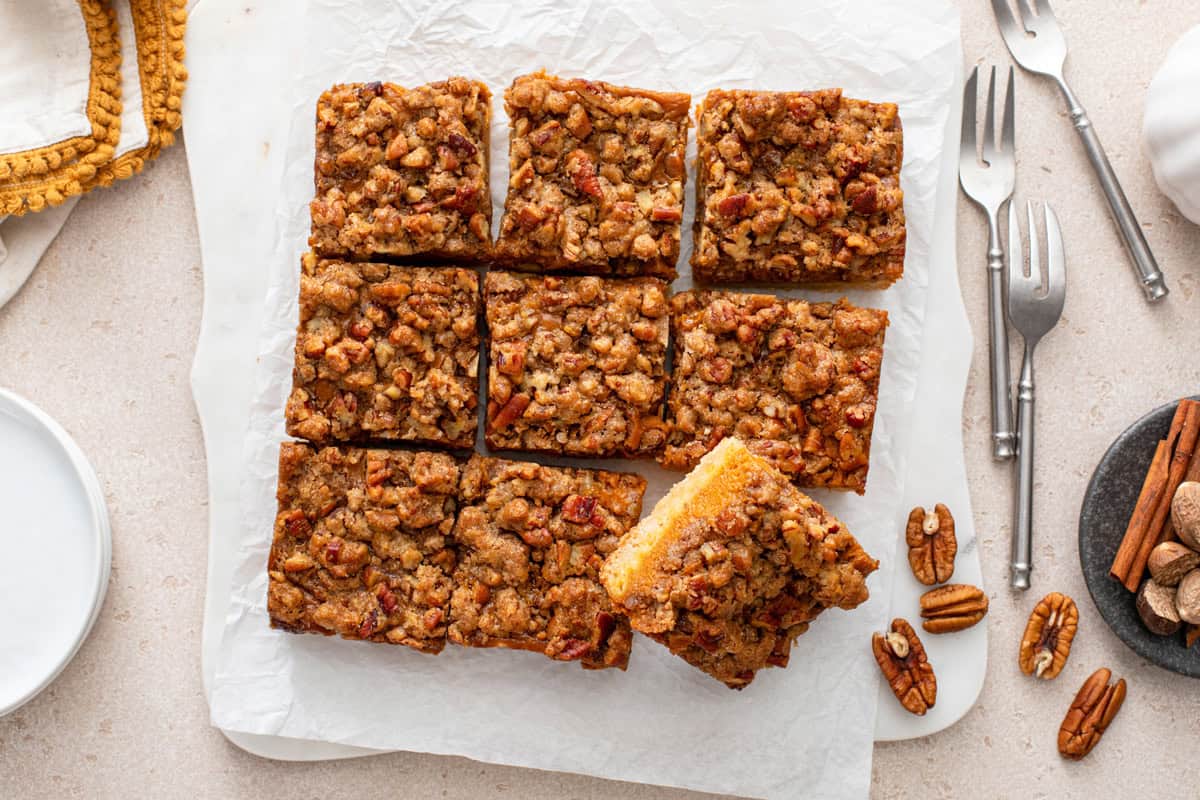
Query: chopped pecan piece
x=953, y=607
x=1090, y=714
x=1046, y=643
x=901, y=658
x=932, y=545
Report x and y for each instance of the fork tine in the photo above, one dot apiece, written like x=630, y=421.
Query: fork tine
x=1044, y=9
x=1016, y=254
x=1035, y=248
x=989, y=121
x=970, y=97
x=1056, y=257
x=1026, y=13
x=1008, y=133
x=1004, y=18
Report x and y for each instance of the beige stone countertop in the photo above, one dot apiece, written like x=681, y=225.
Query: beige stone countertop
x=102, y=338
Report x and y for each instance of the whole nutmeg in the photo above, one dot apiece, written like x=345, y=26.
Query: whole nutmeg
x=1185, y=513
x=1170, y=561
x=1156, y=607
x=1187, y=598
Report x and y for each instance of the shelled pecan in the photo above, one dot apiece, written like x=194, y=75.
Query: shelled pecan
x=901, y=658
x=953, y=607
x=1090, y=714
x=931, y=544
x=1048, y=634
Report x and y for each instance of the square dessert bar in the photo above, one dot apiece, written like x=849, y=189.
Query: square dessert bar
x=798, y=187
x=797, y=381
x=578, y=364
x=403, y=172
x=596, y=177
x=733, y=564
x=385, y=352
x=531, y=541
x=361, y=544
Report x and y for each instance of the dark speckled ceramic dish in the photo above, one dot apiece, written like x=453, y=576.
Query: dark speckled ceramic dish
x=1107, y=504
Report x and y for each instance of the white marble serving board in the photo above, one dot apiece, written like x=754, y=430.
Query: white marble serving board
x=236, y=171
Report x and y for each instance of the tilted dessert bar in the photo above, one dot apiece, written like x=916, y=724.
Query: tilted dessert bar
x=403, y=172
x=385, y=352
x=361, y=544
x=798, y=187
x=531, y=541
x=596, y=177
x=577, y=364
x=797, y=381
x=733, y=564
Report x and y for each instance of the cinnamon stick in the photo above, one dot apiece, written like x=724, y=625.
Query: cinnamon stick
x=1180, y=460
x=1192, y=474
x=1192, y=635
x=1156, y=478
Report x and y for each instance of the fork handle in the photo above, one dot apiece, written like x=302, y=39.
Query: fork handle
x=1003, y=438
x=1144, y=264
x=1022, y=535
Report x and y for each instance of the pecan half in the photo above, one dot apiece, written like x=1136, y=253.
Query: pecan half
x=1048, y=634
x=931, y=544
x=1090, y=714
x=953, y=607
x=901, y=658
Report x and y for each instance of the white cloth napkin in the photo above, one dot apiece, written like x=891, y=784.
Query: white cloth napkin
x=45, y=67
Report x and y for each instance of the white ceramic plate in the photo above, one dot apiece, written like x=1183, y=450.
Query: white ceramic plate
x=52, y=505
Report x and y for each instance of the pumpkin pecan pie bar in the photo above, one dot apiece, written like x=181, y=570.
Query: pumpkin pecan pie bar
x=733, y=564
x=403, y=172
x=797, y=381
x=385, y=352
x=361, y=544
x=531, y=541
x=578, y=364
x=798, y=187
x=596, y=177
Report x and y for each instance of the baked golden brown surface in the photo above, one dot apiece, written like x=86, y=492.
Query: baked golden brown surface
x=403, y=172
x=596, y=177
x=797, y=381
x=578, y=364
x=798, y=187
x=531, y=541
x=385, y=352
x=733, y=564
x=361, y=544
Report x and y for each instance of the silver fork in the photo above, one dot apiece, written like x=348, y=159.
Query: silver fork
x=1045, y=52
x=990, y=185
x=1033, y=313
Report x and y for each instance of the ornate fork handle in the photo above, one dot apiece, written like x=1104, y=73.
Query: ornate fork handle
x=1003, y=437
x=1135, y=243
x=1022, y=540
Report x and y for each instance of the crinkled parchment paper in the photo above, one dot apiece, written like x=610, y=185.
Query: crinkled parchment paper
x=804, y=730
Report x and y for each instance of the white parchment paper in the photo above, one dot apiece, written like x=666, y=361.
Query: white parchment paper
x=804, y=730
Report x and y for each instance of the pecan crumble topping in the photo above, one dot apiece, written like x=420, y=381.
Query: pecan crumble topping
x=797, y=381
x=361, y=547
x=403, y=172
x=578, y=365
x=798, y=187
x=531, y=542
x=385, y=352
x=596, y=177
x=733, y=564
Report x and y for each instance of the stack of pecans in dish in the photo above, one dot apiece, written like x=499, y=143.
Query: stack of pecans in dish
x=1159, y=556
x=404, y=295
